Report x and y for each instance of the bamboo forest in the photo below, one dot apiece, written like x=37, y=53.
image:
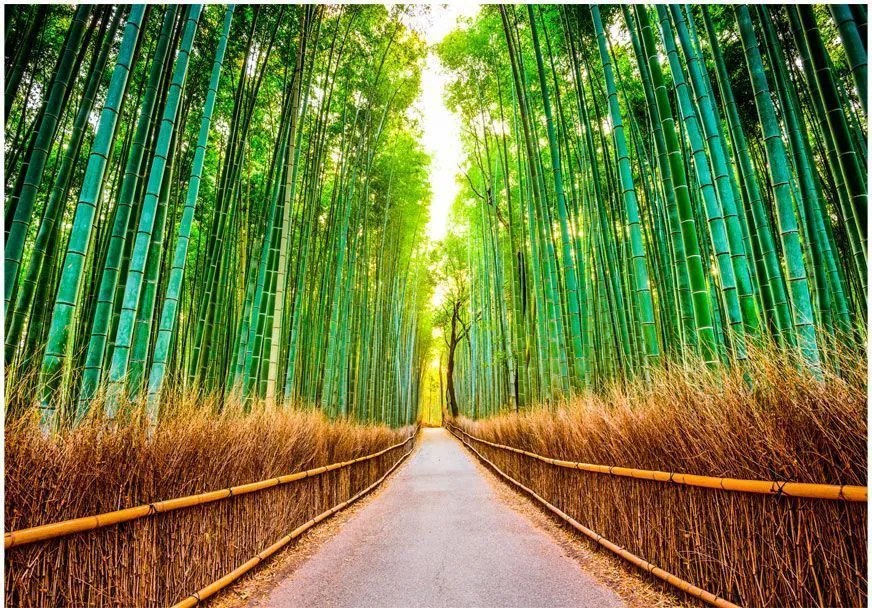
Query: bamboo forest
x=292, y=245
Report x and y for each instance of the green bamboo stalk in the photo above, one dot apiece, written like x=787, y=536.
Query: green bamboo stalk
x=849, y=161
x=718, y=156
x=712, y=205
x=169, y=310
x=775, y=281
x=101, y=323
x=23, y=200
x=776, y=156
x=570, y=276
x=702, y=302
x=17, y=315
x=123, y=340
x=855, y=49
x=642, y=290
x=83, y=222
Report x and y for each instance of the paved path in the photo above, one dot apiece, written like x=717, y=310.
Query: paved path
x=438, y=536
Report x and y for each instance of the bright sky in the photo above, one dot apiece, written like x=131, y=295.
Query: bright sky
x=441, y=127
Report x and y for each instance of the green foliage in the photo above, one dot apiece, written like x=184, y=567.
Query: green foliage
x=679, y=222
x=298, y=225
x=624, y=204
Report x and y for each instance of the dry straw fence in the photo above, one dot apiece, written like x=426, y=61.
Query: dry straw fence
x=728, y=542
x=181, y=551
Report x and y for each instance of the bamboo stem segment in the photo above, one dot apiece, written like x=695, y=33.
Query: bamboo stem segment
x=92, y=522
x=775, y=488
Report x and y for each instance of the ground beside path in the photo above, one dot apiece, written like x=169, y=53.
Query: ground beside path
x=437, y=535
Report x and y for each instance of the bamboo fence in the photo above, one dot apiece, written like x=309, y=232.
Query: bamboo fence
x=166, y=550
x=741, y=542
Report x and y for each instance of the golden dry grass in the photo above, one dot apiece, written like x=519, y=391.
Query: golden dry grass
x=159, y=560
x=768, y=421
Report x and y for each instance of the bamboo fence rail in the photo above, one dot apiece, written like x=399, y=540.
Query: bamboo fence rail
x=663, y=575
x=26, y=536
x=154, y=561
x=802, y=546
x=230, y=577
x=754, y=486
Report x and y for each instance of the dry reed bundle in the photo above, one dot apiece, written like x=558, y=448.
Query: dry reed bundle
x=770, y=422
x=158, y=560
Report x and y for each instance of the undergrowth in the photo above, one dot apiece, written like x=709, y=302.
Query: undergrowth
x=99, y=467
x=768, y=419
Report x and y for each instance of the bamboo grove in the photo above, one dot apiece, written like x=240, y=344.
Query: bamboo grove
x=219, y=200
x=653, y=186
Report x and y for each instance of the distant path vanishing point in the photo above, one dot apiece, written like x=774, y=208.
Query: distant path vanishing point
x=438, y=536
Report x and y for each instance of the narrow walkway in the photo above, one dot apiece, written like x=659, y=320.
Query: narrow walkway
x=437, y=536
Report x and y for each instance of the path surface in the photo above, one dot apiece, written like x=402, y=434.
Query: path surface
x=438, y=536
